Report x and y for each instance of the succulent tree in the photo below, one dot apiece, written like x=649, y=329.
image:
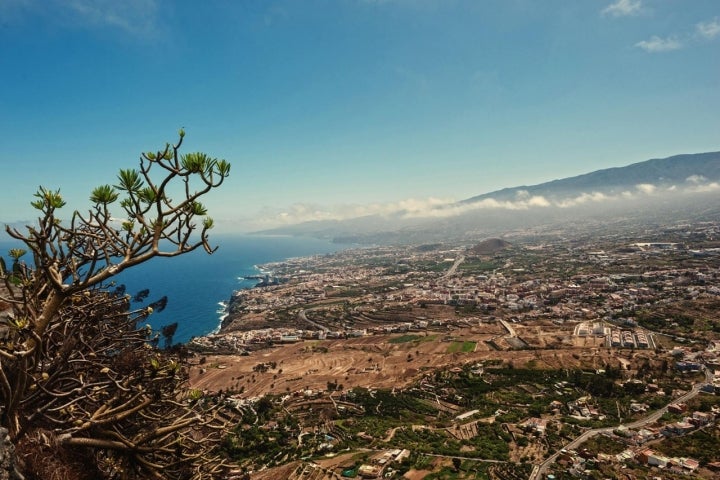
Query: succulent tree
x=76, y=367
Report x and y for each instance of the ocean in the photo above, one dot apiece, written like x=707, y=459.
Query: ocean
x=198, y=285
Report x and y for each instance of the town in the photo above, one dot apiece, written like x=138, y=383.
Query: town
x=534, y=356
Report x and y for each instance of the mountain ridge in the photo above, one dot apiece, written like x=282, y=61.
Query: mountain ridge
x=656, y=188
x=657, y=171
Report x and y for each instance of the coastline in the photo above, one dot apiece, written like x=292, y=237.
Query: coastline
x=199, y=286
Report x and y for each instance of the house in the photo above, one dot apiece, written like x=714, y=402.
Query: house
x=644, y=454
x=639, y=407
x=369, y=471
x=708, y=388
x=688, y=366
x=678, y=428
x=677, y=408
x=537, y=425
x=402, y=455
x=658, y=460
x=702, y=418
x=689, y=464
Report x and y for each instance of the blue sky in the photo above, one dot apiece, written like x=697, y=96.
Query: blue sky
x=333, y=108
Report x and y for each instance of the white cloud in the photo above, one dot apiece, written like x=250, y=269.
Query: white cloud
x=623, y=8
x=708, y=30
x=523, y=202
x=433, y=207
x=301, y=212
x=656, y=44
x=646, y=188
x=706, y=187
x=704, y=31
x=696, y=179
x=582, y=198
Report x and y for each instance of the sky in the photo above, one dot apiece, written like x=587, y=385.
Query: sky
x=334, y=108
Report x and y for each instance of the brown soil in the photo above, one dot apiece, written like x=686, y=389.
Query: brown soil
x=416, y=474
x=373, y=361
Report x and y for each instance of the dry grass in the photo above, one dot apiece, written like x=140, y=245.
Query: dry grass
x=41, y=458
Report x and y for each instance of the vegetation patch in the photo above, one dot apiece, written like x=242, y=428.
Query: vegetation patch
x=603, y=444
x=463, y=347
x=412, y=338
x=703, y=445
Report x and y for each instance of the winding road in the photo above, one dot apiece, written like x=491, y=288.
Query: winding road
x=302, y=316
x=539, y=470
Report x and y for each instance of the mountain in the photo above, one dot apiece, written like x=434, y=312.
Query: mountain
x=681, y=186
x=659, y=172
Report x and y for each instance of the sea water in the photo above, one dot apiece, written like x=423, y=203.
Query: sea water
x=198, y=285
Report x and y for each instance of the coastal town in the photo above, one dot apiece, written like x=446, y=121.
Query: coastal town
x=532, y=356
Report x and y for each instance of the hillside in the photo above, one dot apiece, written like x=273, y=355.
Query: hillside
x=490, y=246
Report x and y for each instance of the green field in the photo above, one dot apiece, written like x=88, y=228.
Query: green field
x=464, y=347
x=412, y=338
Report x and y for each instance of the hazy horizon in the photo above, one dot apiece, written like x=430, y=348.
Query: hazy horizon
x=355, y=107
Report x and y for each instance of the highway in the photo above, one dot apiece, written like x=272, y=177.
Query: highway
x=539, y=470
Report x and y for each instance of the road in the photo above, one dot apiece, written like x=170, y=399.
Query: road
x=451, y=271
x=472, y=459
x=539, y=470
x=302, y=316
x=509, y=328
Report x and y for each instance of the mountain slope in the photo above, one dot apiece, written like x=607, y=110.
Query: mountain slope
x=658, y=172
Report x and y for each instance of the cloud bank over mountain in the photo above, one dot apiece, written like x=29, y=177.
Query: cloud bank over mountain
x=445, y=208
x=638, y=186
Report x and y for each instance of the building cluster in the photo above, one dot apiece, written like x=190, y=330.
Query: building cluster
x=580, y=463
x=371, y=281
x=599, y=292
x=381, y=464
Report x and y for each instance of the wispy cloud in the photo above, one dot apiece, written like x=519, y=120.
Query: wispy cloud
x=703, y=32
x=303, y=212
x=708, y=30
x=408, y=3
x=658, y=45
x=134, y=17
x=623, y=8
